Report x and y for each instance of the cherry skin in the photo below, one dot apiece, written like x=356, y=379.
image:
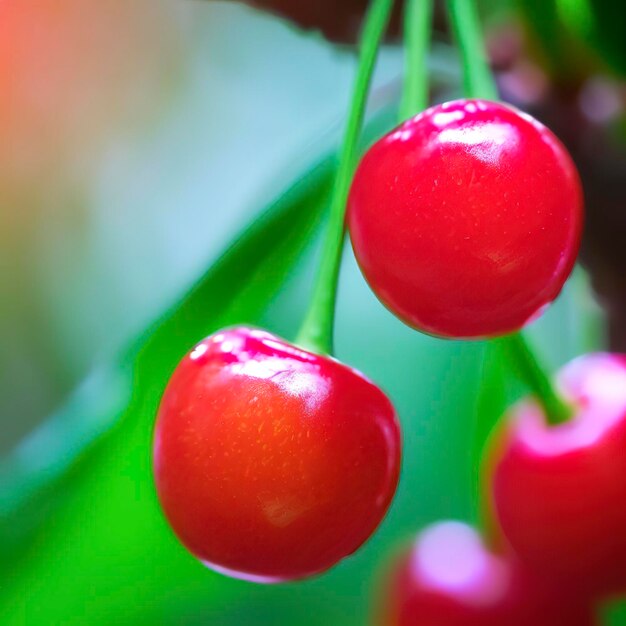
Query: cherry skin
x=272, y=463
x=449, y=578
x=466, y=220
x=559, y=492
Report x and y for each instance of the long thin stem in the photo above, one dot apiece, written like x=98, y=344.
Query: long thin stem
x=417, y=28
x=316, y=332
x=478, y=80
x=479, y=83
x=523, y=356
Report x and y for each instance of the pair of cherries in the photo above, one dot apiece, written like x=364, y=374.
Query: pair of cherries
x=559, y=495
x=273, y=463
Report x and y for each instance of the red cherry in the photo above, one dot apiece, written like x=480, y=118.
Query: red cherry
x=273, y=463
x=559, y=492
x=449, y=578
x=466, y=220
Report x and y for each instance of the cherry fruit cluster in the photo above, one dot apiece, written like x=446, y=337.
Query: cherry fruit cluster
x=273, y=461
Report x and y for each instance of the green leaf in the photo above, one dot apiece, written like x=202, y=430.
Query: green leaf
x=614, y=613
x=30, y=473
x=93, y=539
x=235, y=289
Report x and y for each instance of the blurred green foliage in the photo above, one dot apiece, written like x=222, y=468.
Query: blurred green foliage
x=125, y=520
x=579, y=36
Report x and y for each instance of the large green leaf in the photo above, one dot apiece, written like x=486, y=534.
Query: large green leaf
x=110, y=509
x=103, y=544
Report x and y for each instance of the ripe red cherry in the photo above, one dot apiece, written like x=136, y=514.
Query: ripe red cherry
x=466, y=220
x=559, y=492
x=272, y=463
x=449, y=578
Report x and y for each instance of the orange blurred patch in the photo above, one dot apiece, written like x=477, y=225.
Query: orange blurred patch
x=73, y=72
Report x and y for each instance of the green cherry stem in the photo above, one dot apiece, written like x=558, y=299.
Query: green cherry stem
x=525, y=359
x=478, y=82
x=418, y=16
x=316, y=332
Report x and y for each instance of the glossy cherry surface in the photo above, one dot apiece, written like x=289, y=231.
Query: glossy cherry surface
x=273, y=463
x=466, y=219
x=559, y=492
x=449, y=578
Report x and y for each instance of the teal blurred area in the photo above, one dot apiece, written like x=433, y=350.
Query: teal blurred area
x=118, y=254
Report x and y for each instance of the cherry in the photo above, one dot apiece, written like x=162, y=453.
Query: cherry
x=449, y=578
x=559, y=492
x=273, y=463
x=466, y=219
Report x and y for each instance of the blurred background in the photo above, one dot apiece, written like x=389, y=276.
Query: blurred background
x=138, y=140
